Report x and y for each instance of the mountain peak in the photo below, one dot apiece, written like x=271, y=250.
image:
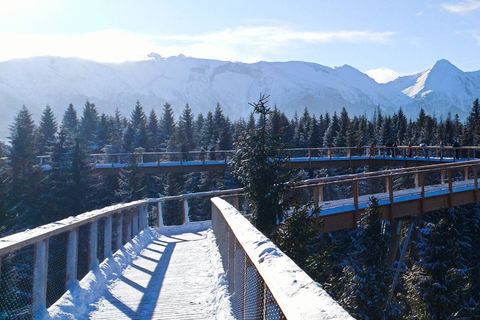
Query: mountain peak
x=444, y=65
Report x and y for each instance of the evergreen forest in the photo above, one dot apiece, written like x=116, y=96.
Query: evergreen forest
x=440, y=275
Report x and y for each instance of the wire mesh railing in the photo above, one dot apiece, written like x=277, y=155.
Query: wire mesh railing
x=263, y=282
x=38, y=266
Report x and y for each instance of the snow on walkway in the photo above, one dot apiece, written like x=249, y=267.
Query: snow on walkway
x=178, y=275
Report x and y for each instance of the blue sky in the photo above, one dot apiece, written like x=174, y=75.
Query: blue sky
x=382, y=38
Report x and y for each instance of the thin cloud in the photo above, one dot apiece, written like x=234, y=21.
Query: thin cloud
x=383, y=75
x=247, y=44
x=462, y=7
x=264, y=35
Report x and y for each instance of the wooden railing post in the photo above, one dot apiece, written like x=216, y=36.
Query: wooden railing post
x=135, y=221
x=107, y=236
x=128, y=220
x=329, y=154
x=417, y=184
x=465, y=174
x=40, y=272
x=93, y=245
x=442, y=176
x=450, y=188
x=119, y=230
x=236, y=201
x=159, y=214
x=72, y=257
x=185, y=211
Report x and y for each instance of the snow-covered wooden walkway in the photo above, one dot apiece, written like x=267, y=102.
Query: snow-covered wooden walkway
x=177, y=276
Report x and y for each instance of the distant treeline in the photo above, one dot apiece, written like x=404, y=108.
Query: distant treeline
x=30, y=197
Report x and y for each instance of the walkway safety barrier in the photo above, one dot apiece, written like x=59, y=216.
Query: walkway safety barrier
x=263, y=282
x=112, y=160
x=38, y=265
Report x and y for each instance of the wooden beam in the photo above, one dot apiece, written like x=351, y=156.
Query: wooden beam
x=107, y=237
x=93, y=246
x=159, y=214
x=119, y=230
x=450, y=189
x=72, y=258
x=40, y=275
x=390, y=195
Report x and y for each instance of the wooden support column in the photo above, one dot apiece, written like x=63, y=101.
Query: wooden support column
x=417, y=184
x=355, y=201
x=390, y=195
x=107, y=237
x=329, y=154
x=93, y=245
x=40, y=272
x=395, y=240
x=465, y=174
x=442, y=176
x=422, y=182
x=72, y=257
x=475, y=180
x=450, y=188
x=119, y=230
x=186, y=219
x=159, y=214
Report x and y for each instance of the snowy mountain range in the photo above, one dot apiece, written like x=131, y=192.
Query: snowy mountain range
x=292, y=86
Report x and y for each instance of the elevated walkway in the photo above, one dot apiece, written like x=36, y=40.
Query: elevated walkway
x=175, y=277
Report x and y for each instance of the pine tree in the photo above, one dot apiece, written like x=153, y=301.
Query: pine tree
x=332, y=131
x=24, y=171
x=46, y=131
x=341, y=132
x=368, y=271
x=259, y=164
x=167, y=125
x=131, y=182
x=89, y=126
x=70, y=121
x=138, y=122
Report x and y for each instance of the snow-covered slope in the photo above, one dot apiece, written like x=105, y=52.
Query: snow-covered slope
x=292, y=86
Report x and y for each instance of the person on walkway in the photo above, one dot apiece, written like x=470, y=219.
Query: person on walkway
x=373, y=149
x=395, y=149
x=359, y=147
x=409, y=150
x=389, y=146
x=202, y=155
x=442, y=146
x=184, y=152
x=425, y=149
x=213, y=155
x=456, y=147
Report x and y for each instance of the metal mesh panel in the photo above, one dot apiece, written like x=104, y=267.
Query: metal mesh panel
x=83, y=237
x=238, y=289
x=57, y=264
x=254, y=293
x=250, y=296
x=16, y=274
